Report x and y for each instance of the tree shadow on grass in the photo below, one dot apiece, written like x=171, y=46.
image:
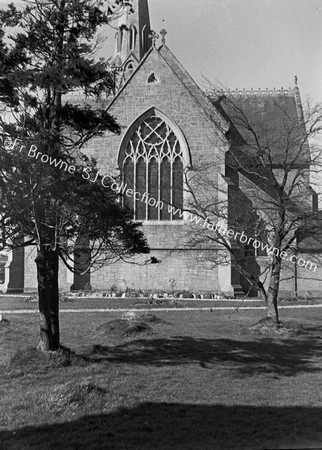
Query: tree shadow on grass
x=177, y=426
x=285, y=357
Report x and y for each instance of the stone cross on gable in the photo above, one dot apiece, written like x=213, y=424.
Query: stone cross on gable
x=154, y=36
x=163, y=34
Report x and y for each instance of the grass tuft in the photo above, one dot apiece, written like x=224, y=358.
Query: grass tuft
x=130, y=323
x=269, y=328
x=78, y=395
x=151, y=318
x=32, y=360
x=121, y=327
x=4, y=322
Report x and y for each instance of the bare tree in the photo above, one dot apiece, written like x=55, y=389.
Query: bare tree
x=265, y=200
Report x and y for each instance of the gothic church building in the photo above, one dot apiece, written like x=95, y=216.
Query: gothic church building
x=168, y=125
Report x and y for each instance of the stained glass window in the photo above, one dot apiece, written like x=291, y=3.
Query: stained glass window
x=152, y=167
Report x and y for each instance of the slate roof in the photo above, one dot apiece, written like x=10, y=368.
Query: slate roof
x=277, y=113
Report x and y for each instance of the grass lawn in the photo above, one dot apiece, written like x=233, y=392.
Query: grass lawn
x=195, y=380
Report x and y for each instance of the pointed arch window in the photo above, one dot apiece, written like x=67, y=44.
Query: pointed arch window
x=132, y=35
x=144, y=38
x=118, y=41
x=152, y=164
x=129, y=69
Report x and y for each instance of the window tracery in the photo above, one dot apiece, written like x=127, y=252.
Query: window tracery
x=152, y=167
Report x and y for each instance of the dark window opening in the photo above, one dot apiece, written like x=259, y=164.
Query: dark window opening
x=152, y=78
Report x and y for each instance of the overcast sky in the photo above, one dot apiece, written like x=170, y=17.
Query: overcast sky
x=244, y=43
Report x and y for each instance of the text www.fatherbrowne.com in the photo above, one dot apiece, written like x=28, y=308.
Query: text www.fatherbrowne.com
x=218, y=227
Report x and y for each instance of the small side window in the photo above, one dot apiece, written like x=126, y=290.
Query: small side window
x=152, y=78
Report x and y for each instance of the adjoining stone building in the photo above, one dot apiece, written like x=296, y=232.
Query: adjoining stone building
x=168, y=125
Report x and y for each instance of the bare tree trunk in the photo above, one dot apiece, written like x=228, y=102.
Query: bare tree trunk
x=262, y=290
x=47, y=274
x=274, y=284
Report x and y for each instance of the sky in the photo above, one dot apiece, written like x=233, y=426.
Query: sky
x=243, y=43
x=246, y=43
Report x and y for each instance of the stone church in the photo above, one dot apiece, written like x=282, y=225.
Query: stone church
x=168, y=125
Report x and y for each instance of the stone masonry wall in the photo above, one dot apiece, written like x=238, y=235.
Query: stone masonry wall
x=178, y=265
x=205, y=144
x=65, y=276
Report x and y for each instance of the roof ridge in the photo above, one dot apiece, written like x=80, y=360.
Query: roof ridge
x=253, y=92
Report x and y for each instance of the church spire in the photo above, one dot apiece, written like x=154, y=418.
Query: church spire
x=132, y=39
